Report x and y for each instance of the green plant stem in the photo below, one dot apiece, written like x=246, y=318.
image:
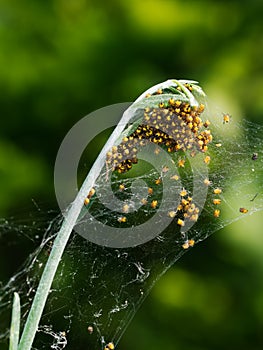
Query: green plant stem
x=70, y=220
x=15, y=323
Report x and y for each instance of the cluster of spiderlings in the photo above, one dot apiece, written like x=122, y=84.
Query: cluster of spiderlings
x=217, y=202
x=176, y=126
x=185, y=210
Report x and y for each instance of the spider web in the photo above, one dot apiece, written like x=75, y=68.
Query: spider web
x=98, y=289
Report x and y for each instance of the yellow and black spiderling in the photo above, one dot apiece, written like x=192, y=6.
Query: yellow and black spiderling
x=217, y=190
x=175, y=125
x=109, y=346
x=207, y=182
x=90, y=194
x=226, y=118
x=180, y=222
x=154, y=204
x=189, y=243
x=216, y=213
x=122, y=219
x=189, y=87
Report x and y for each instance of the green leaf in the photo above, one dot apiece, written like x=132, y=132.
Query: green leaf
x=15, y=323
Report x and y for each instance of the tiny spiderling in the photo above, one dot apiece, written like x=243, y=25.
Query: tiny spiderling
x=226, y=118
x=180, y=222
x=154, y=204
x=217, y=213
x=217, y=191
x=109, y=346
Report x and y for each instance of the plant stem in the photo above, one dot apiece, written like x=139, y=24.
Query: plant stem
x=15, y=323
x=70, y=220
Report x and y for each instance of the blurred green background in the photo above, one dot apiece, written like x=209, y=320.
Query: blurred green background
x=60, y=60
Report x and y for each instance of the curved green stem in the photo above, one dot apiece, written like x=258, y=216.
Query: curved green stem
x=70, y=220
